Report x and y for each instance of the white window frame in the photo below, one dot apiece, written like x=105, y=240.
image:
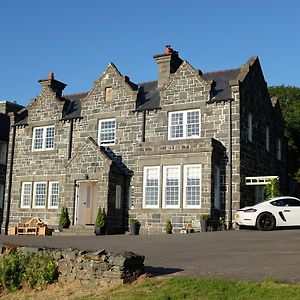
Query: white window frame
x=184, y=124
x=34, y=194
x=118, y=196
x=50, y=194
x=185, y=169
x=250, y=128
x=22, y=194
x=3, y=152
x=2, y=196
x=145, y=205
x=278, y=149
x=106, y=142
x=44, y=138
x=267, y=138
x=165, y=172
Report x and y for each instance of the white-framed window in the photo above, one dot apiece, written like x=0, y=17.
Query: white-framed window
x=192, y=186
x=43, y=138
x=278, y=149
x=118, y=196
x=3, y=152
x=26, y=194
x=249, y=128
x=39, y=194
x=267, y=138
x=53, y=196
x=107, y=131
x=184, y=124
x=2, y=196
x=171, y=186
x=151, y=187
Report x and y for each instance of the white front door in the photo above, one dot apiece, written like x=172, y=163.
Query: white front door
x=86, y=198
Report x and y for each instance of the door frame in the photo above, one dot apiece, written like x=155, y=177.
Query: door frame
x=77, y=193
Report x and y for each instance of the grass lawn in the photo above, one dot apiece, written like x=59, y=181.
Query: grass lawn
x=168, y=289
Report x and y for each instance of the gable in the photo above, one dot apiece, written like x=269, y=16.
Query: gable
x=48, y=106
x=120, y=88
x=89, y=157
x=186, y=85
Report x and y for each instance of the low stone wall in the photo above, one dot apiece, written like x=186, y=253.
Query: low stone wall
x=98, y=267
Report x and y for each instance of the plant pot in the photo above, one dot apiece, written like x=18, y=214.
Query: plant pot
x=60, y=228
x=99, y=231
x=203, y=225
x=134, y=229
x=168, y=231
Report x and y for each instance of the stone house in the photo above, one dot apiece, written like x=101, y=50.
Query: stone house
x=190, y=143
x=6, y=107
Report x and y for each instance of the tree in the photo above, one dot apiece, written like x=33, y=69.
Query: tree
x=289, y=99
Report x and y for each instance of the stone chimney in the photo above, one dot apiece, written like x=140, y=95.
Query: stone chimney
x=168, y=63
x=54, y=84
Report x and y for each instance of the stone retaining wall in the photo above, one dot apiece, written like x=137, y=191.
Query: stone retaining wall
x=98, y=267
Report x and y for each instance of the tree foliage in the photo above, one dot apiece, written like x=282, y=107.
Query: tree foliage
x=289, y=99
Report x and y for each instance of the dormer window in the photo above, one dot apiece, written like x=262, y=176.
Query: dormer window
x=43, y=138
x=184, y=124
x=108, y=94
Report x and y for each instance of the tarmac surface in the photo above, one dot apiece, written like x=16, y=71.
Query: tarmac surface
x=237, y=255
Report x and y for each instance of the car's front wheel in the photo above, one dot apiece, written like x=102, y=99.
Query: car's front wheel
x=266, y=221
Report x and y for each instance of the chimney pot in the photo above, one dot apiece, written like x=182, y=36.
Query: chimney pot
x=51, y=75
x=168, y=50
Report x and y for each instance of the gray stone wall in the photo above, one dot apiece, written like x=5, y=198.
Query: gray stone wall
x=256, y=160
x=100, y=267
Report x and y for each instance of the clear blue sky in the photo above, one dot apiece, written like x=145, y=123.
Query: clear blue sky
x=76, y=39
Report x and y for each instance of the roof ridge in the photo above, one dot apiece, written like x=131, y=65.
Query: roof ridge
x=220, y=71
x=75, y=94
x=145, y=82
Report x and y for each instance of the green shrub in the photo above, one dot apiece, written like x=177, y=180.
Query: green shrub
x=169, y=226
x=100, y=219
x=272, y=189
x=19, y=269
x=64, y=219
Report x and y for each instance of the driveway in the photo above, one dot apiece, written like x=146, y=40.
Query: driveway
x=244, y=255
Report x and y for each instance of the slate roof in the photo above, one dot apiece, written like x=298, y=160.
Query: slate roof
x=222, y=90
x=148, y=95
x=4, y=131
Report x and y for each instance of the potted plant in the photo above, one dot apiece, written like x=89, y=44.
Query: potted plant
x=134, y=226
x=100, y=222
x=64, y=220
x=222, y=223
x=169, y=227
x=203, y=221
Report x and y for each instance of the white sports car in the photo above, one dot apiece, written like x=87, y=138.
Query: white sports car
x=266, y=215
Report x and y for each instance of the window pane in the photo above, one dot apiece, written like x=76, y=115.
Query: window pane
x=193, y=186
x=54, y=194
x=38, y=138
x=177, y=125
x=26, y=194
x=172, y=186
x=50, y=138
x=107, y=131
x=151, y=186
x=40, y=195
x=192, y=123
